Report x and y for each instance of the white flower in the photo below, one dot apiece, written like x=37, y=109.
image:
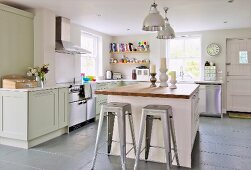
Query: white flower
x=29, y=73
x=33, y=71
x=36, y=74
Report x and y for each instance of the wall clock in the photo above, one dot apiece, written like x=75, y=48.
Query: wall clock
x=213, y=49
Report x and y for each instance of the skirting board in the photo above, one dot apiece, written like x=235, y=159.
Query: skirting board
x=28, y=144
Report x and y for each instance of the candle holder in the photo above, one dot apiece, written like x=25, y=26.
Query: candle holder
x=173, y=84
x=163, y=77
x=153, y=79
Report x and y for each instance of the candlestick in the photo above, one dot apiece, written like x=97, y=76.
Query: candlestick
x=153, y=68
x=163, y=76
x=153, y=79
x=173, y=75
x=173, y=84
x=163, y=63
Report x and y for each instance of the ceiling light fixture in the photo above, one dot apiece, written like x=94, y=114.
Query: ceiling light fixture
x=153, y=21
x=167, y=32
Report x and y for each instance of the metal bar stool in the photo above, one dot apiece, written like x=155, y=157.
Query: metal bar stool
x=164, y=113
x=120, y=110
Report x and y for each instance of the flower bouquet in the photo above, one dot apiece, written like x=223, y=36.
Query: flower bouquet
x=39, y=73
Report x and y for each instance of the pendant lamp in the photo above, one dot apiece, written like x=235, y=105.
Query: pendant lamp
x=167, y=32
x=153, y=21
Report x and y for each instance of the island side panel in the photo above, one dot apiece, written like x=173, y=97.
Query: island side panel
x=182, y=113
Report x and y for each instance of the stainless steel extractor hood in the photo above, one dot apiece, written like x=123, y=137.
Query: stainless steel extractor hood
x=63, y=42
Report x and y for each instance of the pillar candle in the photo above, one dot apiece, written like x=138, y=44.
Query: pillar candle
x=173, y=75
x=153, y=68
x=163, y=63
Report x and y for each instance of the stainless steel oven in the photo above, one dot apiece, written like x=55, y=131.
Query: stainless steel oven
x=82, y=105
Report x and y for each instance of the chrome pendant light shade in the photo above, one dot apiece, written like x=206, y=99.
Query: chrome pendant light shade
x=153, y=21
x=167, y=32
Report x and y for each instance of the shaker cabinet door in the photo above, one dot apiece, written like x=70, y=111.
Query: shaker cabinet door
x=13, y=115
x=43, y=112
x=16, y=43
x=63, y=109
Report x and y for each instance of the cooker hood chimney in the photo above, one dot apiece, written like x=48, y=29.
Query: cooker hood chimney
x=63, y=43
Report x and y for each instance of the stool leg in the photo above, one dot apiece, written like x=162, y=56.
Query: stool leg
x=110, y=124
x=149, y=124
x=167, y=143
x=141, y=134
x=132, y=131
x=101, y=118
x=122, y=138
x=174, y=140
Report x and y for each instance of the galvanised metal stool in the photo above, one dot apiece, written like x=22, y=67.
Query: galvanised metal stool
x=164, y=113
x=120, y=110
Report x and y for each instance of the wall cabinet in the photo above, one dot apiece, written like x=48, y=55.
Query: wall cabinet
x=28, y=118
x=17, y=40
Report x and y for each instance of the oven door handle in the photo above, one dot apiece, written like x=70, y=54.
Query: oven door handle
x=82, y=102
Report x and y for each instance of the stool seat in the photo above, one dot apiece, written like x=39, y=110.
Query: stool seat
x=157, y=107
x=120, y=110
x=116, y=104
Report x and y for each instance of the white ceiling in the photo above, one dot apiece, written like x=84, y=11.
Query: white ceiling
x=119, y=15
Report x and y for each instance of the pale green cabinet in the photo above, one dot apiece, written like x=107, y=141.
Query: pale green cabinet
x=28, y=118
x=13, y=115
x=16, y=40
x=43, y=112
x=63, y=109
x=102, y=99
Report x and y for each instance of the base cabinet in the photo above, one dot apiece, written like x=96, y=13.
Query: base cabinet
x=43, y=112
x=63, y=110
x=13, y=115
x=30, y=118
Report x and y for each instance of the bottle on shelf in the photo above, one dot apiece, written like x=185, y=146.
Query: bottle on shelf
x=134, y=75
x=207, y=63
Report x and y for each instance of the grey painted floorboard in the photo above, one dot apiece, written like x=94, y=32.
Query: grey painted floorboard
x=221, y=144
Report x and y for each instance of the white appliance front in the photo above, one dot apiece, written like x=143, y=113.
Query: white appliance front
x=78, y=112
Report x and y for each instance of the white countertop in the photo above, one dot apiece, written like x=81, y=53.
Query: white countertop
x=104, y=81
x=46, y=87
x=209, y=82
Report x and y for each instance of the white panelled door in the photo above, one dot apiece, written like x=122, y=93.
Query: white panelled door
x=239, y=75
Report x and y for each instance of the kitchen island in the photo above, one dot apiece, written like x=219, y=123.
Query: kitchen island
x=184, y=101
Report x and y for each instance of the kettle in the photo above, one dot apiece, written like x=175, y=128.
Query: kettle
x=108, y=75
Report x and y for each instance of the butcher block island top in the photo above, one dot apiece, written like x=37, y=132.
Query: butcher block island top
x=183, y=91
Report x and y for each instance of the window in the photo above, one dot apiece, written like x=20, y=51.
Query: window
x=184, y=57
x=89, y=62
x=243, y=57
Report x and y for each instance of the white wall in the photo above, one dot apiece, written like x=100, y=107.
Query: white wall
x=44, y=41
x=104, y=53
x=157, y=51
x=71, y=64
x=63, y=67
x=207, y=37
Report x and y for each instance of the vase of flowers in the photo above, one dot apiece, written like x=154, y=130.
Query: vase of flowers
x=39, y=73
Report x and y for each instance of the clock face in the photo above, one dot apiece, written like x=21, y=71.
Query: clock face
x=213, y=49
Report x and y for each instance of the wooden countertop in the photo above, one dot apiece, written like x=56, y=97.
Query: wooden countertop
x=183, y=91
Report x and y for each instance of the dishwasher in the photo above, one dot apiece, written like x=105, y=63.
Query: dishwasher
x=210, y=100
